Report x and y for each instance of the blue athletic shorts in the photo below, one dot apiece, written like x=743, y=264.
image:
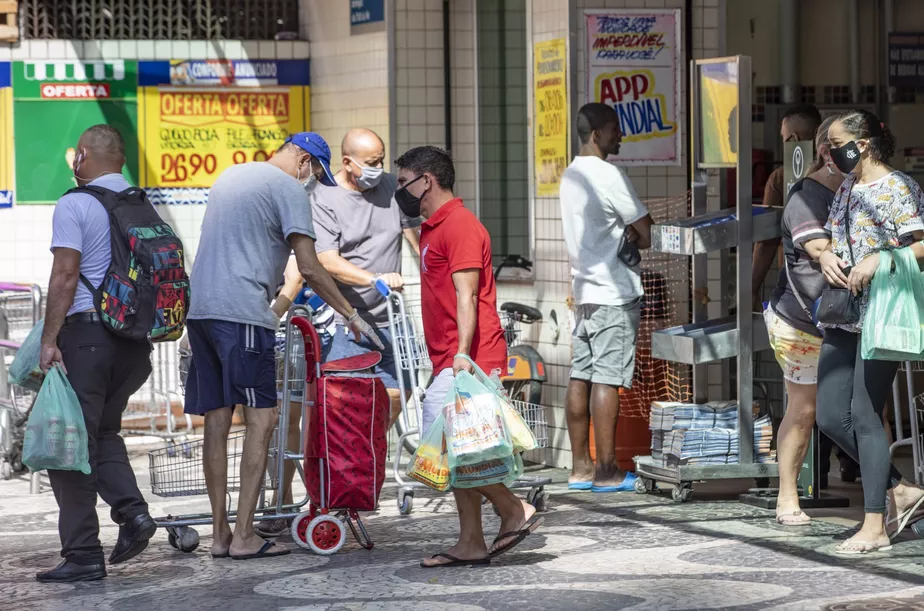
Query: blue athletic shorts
x=232, y=364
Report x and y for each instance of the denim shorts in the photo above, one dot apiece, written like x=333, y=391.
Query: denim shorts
x=232, y=364
x=603, y=343
x=344, y=345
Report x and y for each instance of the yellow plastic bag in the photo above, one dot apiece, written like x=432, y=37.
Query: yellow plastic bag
x=430, y=463
x=521, y=436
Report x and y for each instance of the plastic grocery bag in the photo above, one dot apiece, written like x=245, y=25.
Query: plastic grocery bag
x=892, y=328
x=474, y=424
x=521, y=436
x=494, y=471
x=24, y=370
x=56, y=435
x=430, y=463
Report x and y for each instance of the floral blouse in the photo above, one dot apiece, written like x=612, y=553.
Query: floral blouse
x=883, y=215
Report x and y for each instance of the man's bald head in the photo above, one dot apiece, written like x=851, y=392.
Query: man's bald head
x=363, y=159
x=100, y=150
x=362, y=142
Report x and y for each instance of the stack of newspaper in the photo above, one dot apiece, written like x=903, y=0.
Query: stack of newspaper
x=688, y=433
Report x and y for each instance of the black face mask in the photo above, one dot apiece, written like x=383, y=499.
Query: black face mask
x=409, y=203
x=846, y=157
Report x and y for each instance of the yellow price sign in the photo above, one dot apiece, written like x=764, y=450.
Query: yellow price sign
x=551, y=114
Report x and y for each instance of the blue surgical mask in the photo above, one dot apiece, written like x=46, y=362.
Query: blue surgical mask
x=370, y=176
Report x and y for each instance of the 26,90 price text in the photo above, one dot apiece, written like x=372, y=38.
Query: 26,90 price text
x=180, y=168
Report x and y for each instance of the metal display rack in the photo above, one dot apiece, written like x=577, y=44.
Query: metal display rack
x=740, y=336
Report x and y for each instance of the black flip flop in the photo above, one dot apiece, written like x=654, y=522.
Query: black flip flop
x=529, y=528
x=225, y=555
x=453, y=561
x=263, y=553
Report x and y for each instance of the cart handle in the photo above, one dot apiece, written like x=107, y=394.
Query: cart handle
x=382, y=287
x=15, y=287
x=5, y=343
x=312, y=346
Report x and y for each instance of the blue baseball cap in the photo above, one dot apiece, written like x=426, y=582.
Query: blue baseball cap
x=316, y=146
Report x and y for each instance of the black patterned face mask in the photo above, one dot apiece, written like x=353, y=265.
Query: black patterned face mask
x=846, y=157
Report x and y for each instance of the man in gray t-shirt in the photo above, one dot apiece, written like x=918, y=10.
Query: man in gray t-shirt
x=359, y=231
x=258, y=213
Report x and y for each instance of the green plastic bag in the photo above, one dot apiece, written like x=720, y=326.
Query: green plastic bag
x=892, y=326
x=474, y=424
x=56, y=435
x=24, y=370
x=496, y=471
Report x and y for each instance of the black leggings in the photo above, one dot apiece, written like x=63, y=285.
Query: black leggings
x=851, y=396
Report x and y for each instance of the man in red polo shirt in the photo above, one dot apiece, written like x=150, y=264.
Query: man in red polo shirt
x=459, y=303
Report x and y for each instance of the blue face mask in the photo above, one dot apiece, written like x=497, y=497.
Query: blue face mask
x=370, y=176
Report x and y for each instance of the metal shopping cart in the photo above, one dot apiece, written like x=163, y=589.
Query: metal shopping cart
x=150, y=410
x=15, y=403
x=410, y=353
x=21, y=307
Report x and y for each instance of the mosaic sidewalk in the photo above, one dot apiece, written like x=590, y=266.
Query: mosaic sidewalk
x=617, y=551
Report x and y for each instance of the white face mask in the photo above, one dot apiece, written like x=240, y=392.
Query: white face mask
x=311, y=183
x=370, y=176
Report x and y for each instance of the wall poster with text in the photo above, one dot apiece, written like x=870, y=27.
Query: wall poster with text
x=634, y=65
x=550, y=127
x=6, y=135
x=199, y=117
x=54, y=101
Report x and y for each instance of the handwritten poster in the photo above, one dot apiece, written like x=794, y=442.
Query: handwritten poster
x=197, y=118
x=550, y=129
x=634, y=65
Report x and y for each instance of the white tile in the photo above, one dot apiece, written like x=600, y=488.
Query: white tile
x=109, y=49
x=284, y=49
x=267, y=50
x=199, y=49
x=128, y=49
x=60, y=49
x=251, y=49
x=6, y=52
x=146, y=49
x=181, y=50
x=163, y=49
x=301, y=49
x=20, y=50
x=38, y=49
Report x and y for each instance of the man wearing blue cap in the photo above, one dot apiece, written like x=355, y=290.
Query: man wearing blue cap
x=258, y=213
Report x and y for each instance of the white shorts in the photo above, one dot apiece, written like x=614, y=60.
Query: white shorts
x=435, y=398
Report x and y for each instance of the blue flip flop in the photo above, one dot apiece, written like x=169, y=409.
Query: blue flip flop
x=627, y=485
x=580, y=485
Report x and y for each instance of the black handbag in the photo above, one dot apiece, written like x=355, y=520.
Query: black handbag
x=839, y=306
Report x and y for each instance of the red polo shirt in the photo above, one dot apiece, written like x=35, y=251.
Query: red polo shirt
x=452, y=240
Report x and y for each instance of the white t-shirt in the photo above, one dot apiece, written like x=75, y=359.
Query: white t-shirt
x=597, y=204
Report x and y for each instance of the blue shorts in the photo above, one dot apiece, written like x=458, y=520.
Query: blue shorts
x=342, y=345
x=232, y=364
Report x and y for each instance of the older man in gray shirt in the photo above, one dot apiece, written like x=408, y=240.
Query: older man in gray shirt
x=359, y=229
x=258, y=213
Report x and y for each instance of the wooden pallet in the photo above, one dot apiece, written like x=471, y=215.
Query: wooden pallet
x=9, y=26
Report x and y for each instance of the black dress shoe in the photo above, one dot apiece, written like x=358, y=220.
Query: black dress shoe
x=67, y=572
x=133, y=538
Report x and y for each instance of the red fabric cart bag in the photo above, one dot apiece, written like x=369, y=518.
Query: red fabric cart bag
x=348, y=431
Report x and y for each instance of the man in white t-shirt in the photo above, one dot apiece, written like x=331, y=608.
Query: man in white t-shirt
x=605, y=225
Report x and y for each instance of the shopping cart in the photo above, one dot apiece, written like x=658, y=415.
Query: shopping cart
x=21, y=307
x=179, y=473
x=15, y=403
x=150, y=410
x=412, y=362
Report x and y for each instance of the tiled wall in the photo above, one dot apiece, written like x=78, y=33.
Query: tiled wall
x=349, y=75
x=24, y=254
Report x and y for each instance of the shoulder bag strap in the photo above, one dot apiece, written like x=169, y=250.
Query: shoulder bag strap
x=792, y=287
x=847, y=222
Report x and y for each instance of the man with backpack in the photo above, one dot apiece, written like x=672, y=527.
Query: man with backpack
x=106, y=301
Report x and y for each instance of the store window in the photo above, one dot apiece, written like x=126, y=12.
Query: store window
x=159, y=19
x=503, y=131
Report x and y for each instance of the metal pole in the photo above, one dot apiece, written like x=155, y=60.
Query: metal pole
x=853, y=33
x=789, y=50
x=745, y=239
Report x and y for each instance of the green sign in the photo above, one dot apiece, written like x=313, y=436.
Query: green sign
x=53, y=103
x=797, y=159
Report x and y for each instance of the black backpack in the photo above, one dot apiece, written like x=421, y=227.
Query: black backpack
x=144, y=295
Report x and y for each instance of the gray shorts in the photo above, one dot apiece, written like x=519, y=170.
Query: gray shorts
x=603, y=343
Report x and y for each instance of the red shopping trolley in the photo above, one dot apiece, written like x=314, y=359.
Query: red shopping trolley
x=345, y=448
